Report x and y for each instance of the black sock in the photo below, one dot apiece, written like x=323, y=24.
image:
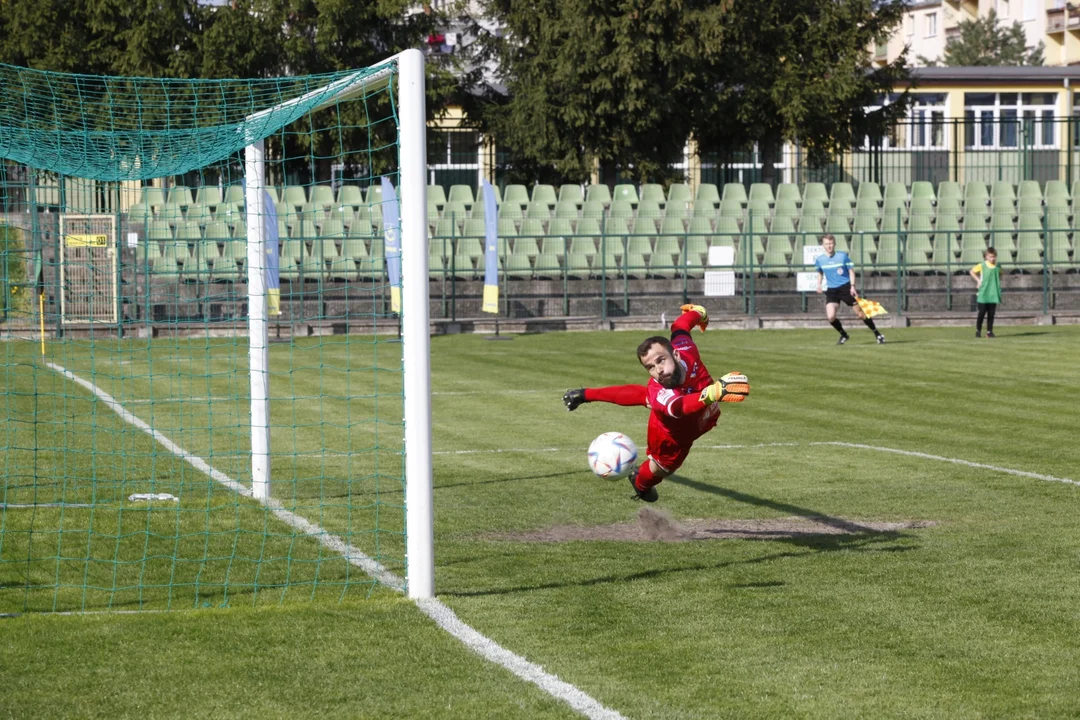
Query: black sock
x=839, y=328
x=870, y=324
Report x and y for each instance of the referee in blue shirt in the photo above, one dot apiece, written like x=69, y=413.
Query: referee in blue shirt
x=838, y=273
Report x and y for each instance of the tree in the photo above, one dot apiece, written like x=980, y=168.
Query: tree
x=626, y=83
x=589, y=82
x=986, y=42
x=788, y=70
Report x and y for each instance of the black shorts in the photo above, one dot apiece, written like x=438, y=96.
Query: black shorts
x=840, y=294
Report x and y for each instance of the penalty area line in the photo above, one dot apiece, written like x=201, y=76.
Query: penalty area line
x=442, y=615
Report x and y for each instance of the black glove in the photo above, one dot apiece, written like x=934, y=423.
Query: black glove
x=572, y=398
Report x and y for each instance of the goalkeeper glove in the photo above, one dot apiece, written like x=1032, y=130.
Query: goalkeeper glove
x=572, y=398
x=733, y=387
x=704, y=321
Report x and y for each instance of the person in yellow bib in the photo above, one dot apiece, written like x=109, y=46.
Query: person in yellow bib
x=988, y=276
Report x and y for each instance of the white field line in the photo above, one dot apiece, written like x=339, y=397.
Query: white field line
x=433, y=608
x=955, y=461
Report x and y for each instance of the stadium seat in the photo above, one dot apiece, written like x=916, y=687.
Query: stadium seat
x=140, y=214
x=462, y=194
x=635, y=264
x=505, y=228
x=571, y=194
x=774, y=262
x=321, y=196
x=643, y=229
x=435, y=195
x=621, y=209
x=592, y=209
x=516, y=194
x=949, y=189
x=731, y=207
x=1056, y=189
x=896, y=190
x=598, y=193
x=180, y=195
x=788, y=192
x=758, y=207
x=867, y=206
x=813, y=215
x=679, y=193
x=735, y=192
x=152, y=196
x=538, y=210
x=922, y=206
x=923, y=189
x=235, y=194
x=919, y=244
x=786, y=207
x=762, y=192
x=815, y=191
x=888, y=254
x=544, y=194
x=531, y=231
x=840, y=208
x=971, y=252
x=208, y=195
x=868, y=191
x=548, y=265
x=653, y=192
x=510, y=209
x=649, y=209
x=680, y=209
x=560, y=231
x=865, y=224
x=1029, y=205
x=217, y=232
x=862, y=251
x=295, y=196
x=566, y=209
x=706, y=194
x=950, y=207
x=841, y=191
x=1001, y=231
x=947, y=233
x=1059, y=247
x=578, y=264
x=589, y=227
x=1029, y=188
x=975, y=192
x=1002, y=189
x=894, y=205
x=627, y=193
x=1029, y=239
x=783, y=227
x=518, y=266
x=727, y=232
x=165, y=268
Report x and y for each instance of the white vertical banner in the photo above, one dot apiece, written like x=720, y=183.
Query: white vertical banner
x=415, y=330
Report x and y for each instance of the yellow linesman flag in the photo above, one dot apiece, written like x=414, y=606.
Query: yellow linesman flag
x=871, y=308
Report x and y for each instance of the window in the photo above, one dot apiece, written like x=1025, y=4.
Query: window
x=1029, y=10
x=1003, y=8
x=923, y=128
x=931, y=24
x=909, y=21
x=1009, y=120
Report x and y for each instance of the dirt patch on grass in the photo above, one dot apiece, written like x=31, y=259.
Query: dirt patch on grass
x=655, y=525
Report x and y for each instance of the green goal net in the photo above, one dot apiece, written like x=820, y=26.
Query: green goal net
x=204, y=394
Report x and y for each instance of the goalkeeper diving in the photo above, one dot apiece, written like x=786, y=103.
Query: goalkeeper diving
x=683, y=398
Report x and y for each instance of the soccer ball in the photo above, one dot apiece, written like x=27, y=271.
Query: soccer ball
x=612, y=455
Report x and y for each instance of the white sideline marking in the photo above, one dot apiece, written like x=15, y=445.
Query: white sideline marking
x=443, y=616
x=956, y=461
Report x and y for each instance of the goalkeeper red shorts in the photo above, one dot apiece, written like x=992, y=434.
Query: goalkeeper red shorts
x=669, y=449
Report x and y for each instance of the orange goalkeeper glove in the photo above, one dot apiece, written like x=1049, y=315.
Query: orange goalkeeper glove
x=733, y=387
x=704, y=321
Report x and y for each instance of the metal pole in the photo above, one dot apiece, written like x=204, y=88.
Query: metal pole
x=258, y=334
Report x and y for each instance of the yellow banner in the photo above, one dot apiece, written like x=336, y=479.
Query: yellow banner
x=491, y=299
x=395, y=298
x=87, y=240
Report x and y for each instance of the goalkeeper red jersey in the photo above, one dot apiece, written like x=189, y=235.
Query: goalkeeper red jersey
x=696, y=378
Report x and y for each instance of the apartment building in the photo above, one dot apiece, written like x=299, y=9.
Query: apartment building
x=929, y=24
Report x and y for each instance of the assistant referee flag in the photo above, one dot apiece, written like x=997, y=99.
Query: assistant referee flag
x=871, y=308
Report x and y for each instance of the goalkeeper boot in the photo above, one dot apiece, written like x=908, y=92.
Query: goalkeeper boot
x=573, y=398
x=649, y=495
x=880, y=339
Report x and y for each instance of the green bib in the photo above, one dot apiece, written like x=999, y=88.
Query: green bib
x=990, y=289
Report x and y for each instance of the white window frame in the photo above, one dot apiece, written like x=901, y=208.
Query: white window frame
x=918, y=125
x=996, y=113
x=931, y=25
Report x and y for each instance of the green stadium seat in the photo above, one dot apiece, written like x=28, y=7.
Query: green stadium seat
x=650, y=209
x=943, y=259
x=888, y=253
x=1003, y=189
x=761, y=191
x=867, y=206
x=598, y=193
x=361, y=228
x=626, y=193
x=896, y=190
x=812, y=216
x=971, y=252
x=653, y=192
x=775, y=261
x=579, y=264
x=1029, y=237
x=950, y=207
x=679, y=193
x=788, y=191
x=321, y=196
x=727, y=232
x=510, y=209
x=1001, y=231
x=815, y=191
x=355, y=249
x=436, y=195
x=544, y=194
x=621, y=209
x=217, y=232
x=538, y=211
x=786, y=207
x=869, y=191
x=731, y=207
x=1060, y=248
x=679, y=209
x=165, y=268
x=975, y=192
x=180, y=195
x=840, y=208
x=1029, y=205
x=706, y=194
x=947, y=233
x=558, y=236
x=464, y=194
x=841, y=191
x=140, y=214
x=590, y=227
x=592, y=209
x=1056, y=189
x=672, y=226
x=735, y=192
x=566, y=209
x=1029, y=188
x=571, y=194
x=865, y=224
x=152, y=196
x=922, y=206
x=518, y=266
x=919, y=243
x=208, y=195
x=758, y=207
x=640, y=241
x=518, y=194
x=894, y=205
x=505, y=228
x=295, y=195
x=235, y=194
x=949, y=189
x=1028, y=259
x=532, y=229
x=548, y=265
x=923, y=189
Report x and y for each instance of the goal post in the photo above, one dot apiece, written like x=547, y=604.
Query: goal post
x=148, y=463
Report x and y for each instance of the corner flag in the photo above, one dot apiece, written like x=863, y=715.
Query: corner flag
x=871, y=308
x=273, y=272
x=491, y=250
x=392, y=240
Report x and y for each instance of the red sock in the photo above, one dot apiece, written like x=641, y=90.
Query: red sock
x=645, y=478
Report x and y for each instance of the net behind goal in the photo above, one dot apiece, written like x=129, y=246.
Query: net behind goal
x=215, y=380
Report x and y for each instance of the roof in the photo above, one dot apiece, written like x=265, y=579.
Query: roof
x=1034, y=75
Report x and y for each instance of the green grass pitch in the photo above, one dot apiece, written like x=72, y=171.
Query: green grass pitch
x=973, y=615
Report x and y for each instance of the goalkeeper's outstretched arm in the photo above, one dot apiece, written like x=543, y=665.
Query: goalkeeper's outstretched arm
x=625, y=395
x=693, y=315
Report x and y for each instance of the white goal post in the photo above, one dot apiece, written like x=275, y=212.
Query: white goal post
x=408, y=67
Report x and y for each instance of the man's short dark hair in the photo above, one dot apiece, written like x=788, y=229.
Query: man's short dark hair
x=647, y=343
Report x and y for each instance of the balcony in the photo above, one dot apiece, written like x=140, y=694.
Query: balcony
x=1055, y=21
x=952, y=33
